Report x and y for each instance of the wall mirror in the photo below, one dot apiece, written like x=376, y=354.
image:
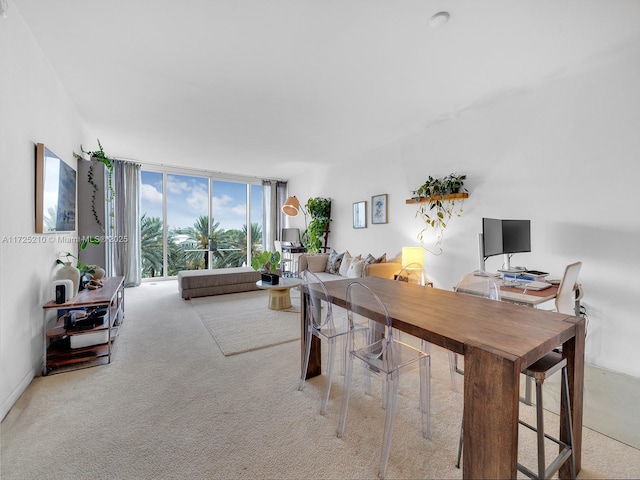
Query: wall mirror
x=55, y=193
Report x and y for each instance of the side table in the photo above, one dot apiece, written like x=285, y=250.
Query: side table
x=279, y=296
x=75, y=347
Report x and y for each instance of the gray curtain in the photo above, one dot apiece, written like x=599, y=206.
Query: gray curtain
x=274, y=194
x=126, y=232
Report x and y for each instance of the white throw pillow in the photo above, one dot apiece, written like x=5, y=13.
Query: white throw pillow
x=344, y=265
x=355, y=269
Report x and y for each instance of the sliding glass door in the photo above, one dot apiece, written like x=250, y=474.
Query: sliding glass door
x=195, y=222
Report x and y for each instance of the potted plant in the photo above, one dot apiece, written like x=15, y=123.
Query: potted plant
x=439, y=202
x=320, y=210
x=266, y=262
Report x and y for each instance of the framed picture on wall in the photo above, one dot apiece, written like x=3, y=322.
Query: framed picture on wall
x=360, y=215
x=379, y=208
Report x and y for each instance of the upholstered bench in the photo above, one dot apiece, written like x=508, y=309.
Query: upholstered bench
x=202, y=283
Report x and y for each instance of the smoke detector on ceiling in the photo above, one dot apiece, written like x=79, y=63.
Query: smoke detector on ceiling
x=439, y=19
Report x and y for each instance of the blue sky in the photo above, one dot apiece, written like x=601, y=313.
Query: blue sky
x=187, y=199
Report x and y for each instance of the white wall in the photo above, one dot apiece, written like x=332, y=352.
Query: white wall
x=34, y=108
x=564, y=156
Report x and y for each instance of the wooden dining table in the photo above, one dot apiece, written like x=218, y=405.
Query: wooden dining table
x=498, y=340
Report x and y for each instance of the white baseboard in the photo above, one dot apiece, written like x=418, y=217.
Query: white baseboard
x=13, y=397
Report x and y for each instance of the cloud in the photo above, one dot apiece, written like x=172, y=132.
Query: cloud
x=198, y=199
x=151, y=194
x=240, y=209
x=175, y=185
x=220, y=203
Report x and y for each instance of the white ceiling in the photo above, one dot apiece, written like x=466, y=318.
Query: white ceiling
x=266, y=87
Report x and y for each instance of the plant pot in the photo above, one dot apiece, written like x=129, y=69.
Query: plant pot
x=270, y=278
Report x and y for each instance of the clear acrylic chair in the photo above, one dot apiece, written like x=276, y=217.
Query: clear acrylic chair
x=323, y=326
x=413, y=273
x=386, y=357
x=480, y=284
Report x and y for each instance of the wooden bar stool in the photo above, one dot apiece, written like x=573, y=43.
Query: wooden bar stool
x=539, y=371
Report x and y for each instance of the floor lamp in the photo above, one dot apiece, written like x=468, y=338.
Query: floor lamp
x=292, y=207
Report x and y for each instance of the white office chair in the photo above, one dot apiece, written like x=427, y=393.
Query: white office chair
x=568, y=292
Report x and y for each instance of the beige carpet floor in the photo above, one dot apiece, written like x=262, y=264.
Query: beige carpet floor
x=242, y=322
x=172, y=406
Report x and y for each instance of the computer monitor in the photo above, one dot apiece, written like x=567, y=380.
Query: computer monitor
x=291, y=235
x=505, y=237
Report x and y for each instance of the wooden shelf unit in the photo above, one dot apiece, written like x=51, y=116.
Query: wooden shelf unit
x=57, y=349
x=450, y=196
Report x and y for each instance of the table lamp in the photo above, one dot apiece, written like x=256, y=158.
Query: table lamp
x=413, y=259
x=412, y=255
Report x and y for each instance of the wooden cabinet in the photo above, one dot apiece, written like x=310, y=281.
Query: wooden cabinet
x=79, y=347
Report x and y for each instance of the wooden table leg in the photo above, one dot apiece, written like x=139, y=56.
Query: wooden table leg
x=315, y=358
x=491, y=396
x=573, y=351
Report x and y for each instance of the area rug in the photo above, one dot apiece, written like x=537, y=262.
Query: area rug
x=242, y=322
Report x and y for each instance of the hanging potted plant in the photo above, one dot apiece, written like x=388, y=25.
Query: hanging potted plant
x=439, y=200
x=266, y=262
x=101, y=157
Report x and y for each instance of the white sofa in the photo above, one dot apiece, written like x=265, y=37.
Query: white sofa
x=317, y=263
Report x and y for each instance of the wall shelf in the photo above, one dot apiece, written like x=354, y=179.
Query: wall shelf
x=450, y=196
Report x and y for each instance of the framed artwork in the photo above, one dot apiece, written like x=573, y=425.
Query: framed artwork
x=360, y=215
x=379, y=208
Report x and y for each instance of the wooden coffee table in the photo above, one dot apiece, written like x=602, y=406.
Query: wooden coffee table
x=279, y=296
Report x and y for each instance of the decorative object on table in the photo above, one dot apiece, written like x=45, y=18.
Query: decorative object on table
x=439, y=200
x=101, y=157
x=84, y=271
x=379, y=208
x=360, y=215
x=96, y=279
x=62, y=290
x=265, y=262
x=68, y=272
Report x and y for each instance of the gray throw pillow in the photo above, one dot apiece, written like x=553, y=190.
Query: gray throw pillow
x=334, y=261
